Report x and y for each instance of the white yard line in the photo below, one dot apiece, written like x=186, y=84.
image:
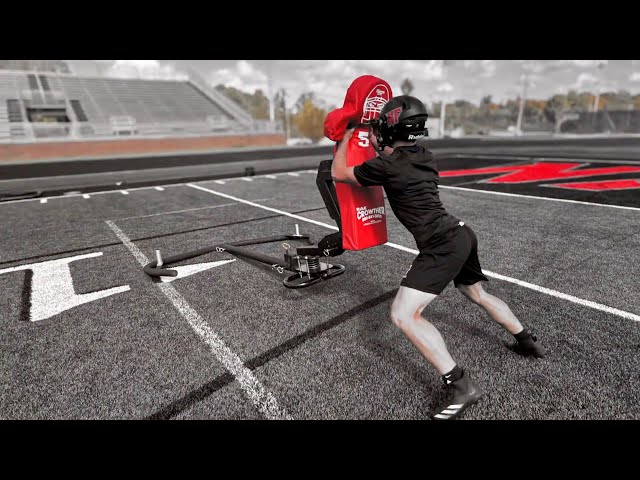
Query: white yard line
x=259, y=395
x=537, y=288
x=538, y=198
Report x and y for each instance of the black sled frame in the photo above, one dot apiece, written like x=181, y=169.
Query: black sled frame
x=308, y=263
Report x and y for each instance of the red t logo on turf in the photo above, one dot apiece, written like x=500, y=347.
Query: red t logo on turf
x=392, y=116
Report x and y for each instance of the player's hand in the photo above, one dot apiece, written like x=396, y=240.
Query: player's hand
x=348, y=133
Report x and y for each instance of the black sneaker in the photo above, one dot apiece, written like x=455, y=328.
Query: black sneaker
x=461, y=394
x=529, y=347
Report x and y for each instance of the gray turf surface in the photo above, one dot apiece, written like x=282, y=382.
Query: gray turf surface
x=326, y=352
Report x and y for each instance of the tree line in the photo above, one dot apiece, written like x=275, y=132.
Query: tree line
x=305, y=117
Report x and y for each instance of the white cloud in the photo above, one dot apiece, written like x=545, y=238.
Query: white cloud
x=489, y=68
x=470, y=79
x=584, y=80
x=421, y=70
x=587, y=81
x=547, y=67
x=243, y=76
x=336, y=67
x=485, y=68
x=148, y=69
x=588, y=63
x=373, y=65
x=330, y=79
x=535, y=79
x=245, y=69
x=533, y=66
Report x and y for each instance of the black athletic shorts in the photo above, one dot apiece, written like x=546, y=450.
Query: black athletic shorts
x=432, y=272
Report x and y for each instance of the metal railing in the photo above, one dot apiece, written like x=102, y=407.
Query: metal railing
x=55, y=131
x=223, y=101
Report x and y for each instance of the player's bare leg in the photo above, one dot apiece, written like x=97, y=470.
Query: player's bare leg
x=406, y=314
x=500, y=312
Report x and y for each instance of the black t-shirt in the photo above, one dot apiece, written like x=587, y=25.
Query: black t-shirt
x=410, y=179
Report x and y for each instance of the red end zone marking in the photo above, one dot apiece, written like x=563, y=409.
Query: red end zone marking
x=600, y=186
x=538, y=172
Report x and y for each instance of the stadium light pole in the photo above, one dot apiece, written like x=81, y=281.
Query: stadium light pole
x=445, y=89
x=596, y=101
x=270, y=92
x=286, y=116
x=443, y=103
x=523, y=100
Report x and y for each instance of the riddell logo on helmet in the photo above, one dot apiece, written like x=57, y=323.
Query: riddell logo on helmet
x=415, y=137
x=366, y=214
x=377, y=98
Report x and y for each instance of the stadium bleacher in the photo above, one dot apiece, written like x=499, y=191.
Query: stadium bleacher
x=37, y=104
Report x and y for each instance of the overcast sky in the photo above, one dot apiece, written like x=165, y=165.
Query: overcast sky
x=433, y=79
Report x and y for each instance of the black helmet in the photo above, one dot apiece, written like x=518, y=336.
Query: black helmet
x=402, y=118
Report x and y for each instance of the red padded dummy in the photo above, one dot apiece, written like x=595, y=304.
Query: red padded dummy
x=362, y=210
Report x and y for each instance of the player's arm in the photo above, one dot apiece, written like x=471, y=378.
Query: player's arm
x=339, y=170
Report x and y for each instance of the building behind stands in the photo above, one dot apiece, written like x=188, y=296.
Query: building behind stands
x=43, y=100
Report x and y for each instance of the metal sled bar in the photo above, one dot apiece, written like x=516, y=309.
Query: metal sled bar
x=236, y=250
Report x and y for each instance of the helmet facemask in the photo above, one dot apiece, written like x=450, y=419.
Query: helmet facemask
x=411, y=129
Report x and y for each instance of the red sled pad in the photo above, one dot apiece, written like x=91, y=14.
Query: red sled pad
x=362, y=209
